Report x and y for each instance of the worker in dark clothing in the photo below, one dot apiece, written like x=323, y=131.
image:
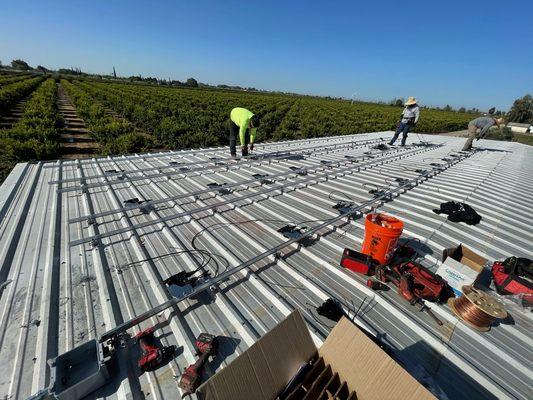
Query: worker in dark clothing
x=482, y=123
x=244, y=123
x=409, y=119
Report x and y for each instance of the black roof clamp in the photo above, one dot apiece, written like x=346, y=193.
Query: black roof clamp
x=346, y=207
x=381, y=193
x=263, y=179
x=292, y=231
x=299, y=170
x=220, y=187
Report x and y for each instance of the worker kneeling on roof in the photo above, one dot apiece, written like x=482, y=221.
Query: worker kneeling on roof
x=482, y=123
x=246, y=123
x=409, y=119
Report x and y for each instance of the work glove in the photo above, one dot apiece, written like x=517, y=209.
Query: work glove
x=251, y=147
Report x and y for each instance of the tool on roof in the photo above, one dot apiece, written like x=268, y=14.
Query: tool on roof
x=477, y=309
x=512, y=276
x=376, y=285
x=206, y=346
x=358, y=262
x=410, y=287
x=419, y=281
x=113, y=334
x=153, y=355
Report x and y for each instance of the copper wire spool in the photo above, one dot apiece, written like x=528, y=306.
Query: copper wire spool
x=477, y=309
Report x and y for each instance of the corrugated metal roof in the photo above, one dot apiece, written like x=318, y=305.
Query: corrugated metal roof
x=76, y=260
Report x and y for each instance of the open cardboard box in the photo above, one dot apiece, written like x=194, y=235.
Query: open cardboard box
x=263, y=371
x=460, y=266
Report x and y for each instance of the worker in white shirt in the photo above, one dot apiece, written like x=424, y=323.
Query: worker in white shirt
x=409, y=118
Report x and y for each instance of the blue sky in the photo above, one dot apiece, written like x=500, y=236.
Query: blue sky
x=463, y=53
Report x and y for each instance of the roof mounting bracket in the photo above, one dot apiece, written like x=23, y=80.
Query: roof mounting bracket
x=263, y=179
x=136, y=202
x=343, y=207
x=437, y=166
x=381, y=193
x=293, y=157
x=299, y=170
x=220, y=187
x=292, y=231
x=352, y=158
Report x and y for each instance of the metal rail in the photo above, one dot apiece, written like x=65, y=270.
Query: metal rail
x=219, y=163
x=326, y=176
x=286, y=143
x=274, y=250
x=150, y=203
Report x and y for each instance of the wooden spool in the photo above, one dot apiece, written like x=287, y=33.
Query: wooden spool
x=484, y=302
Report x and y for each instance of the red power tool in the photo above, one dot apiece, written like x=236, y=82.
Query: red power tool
x=422, y=282
x=206, y=346
x=153, y=354
x=414, y=284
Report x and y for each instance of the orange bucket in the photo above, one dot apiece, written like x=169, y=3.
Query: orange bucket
x=381, y=236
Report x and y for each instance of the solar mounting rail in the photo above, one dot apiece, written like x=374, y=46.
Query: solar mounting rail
x=247, y=182
x=326, y=176
x=286, y=143
x=248, y=160
x=274, y=250
x=211, y=284
x=123, y=176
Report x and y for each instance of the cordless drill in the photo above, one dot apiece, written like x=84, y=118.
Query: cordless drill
x=153, y=355
x=206, y=345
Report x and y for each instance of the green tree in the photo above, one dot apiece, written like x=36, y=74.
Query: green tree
x=462, y=110
x=20, y=64
x=522, y=110
x=41, y=68
x=191, y=82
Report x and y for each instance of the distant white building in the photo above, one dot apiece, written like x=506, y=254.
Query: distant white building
x=520, y=128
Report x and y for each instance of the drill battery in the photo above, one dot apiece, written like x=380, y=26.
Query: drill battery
x=358, y=262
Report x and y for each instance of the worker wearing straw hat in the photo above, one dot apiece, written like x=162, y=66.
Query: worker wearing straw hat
x=410, y=115
x=482, y=123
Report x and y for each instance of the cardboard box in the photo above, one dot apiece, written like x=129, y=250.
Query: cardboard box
x=263, y=371
x=460, y=266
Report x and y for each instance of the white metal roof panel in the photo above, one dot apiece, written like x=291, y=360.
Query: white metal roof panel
x=56, y=296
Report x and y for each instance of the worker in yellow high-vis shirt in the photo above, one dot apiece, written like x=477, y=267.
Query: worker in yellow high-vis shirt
x=246, y=123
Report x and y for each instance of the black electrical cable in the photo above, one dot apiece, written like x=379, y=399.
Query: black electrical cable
x=346, y=197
